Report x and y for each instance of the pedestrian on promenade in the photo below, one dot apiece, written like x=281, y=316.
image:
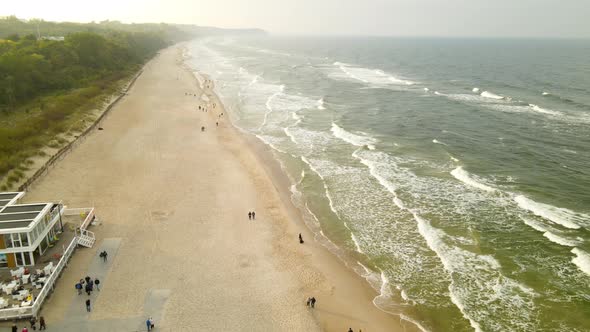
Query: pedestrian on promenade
x=104, y=257
x=88, y=305
x=313, y=302
x=79, y=288
x=253, y=215
x=14, y=327
x=25, y=329
x=87, y=279
x=97, y=282
x=350, y=329
x=88, y=289
x=308, y=302
x=152, y=322
x=33, y=322
x=148, y=322
x=42, y=323
x=300, y=238
x=249, y=215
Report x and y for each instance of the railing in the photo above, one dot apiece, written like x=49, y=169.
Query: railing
x=50, y=284
x=87, y=220
x=22, y=312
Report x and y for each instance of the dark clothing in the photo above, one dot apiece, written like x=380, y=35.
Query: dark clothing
x=88, y=305
x=313, y=302
x=42, y=324
x=14, y=328
x=253, y=215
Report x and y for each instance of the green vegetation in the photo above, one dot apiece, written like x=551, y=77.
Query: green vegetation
x=50, y=87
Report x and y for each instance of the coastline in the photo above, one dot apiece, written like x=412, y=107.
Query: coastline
x=347, y=295
x=167, y=192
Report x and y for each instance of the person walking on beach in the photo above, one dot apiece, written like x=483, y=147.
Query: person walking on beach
x=42, y=323
x=97, y=282
x=300, y=238
x=33, y=322
x=308, y=303
x=88, y=305
x=253, y=215
x=148, y=322
x=79, y=288
x=88, y=289
x=312, y=302
x=104, y=256
x=350, y=329
x=249, y=215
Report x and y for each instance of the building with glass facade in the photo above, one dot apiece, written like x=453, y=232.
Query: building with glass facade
x=26, y=230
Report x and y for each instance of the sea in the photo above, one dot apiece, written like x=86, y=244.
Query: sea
x=452, y=174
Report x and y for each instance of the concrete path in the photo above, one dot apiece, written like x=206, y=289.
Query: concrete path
x=77, y=319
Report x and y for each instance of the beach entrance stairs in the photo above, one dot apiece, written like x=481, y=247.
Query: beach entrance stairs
x=86, y=238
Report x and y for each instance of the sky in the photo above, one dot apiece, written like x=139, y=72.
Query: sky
x=444, y=18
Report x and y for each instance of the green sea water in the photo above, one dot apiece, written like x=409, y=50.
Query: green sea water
x=452, y=174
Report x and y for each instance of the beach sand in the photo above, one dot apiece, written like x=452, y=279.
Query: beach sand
x=178, y=199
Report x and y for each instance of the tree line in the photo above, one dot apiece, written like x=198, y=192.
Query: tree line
x=48, y=86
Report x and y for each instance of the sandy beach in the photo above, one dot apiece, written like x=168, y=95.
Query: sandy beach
x=176, y=199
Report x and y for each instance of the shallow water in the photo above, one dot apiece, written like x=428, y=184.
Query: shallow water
x=454, y=171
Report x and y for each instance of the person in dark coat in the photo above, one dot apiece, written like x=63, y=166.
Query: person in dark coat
x=42, y=323
x=88, y=305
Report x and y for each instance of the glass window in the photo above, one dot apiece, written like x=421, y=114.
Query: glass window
x=24, y=239
x=8, y=240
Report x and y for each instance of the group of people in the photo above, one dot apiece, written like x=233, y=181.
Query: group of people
x=251, y=215
x=87, y=284
x=311, y=302
x=33, y=322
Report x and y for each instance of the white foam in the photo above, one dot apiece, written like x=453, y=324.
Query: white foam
x=321, y=104
x=564, y=217
x=375, y=77
x=438, y=93
x=545, y=93
x=454, y=159
x=491, y=95
x=353, y=139
x=582, y=260
x=560, y=240
x=426, y=89
x=460, y=174
x=475, y=90
x=535, y=224
x=544, y=110
x=356, y=243
x=435, y=141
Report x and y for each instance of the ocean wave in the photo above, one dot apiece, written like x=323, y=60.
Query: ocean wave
x=536, y=225
x=536, y=108
x=375, y=77
x=545, y=93
x=491, y=95
x=475, y=90
x=561, y=240
x=582, y=260
x=321, y=104
x=564, y=217
x=491, y=285
x=435, y=141
x=460, y=174
x=353, y=139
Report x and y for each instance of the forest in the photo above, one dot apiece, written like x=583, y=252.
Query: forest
x=53, y=76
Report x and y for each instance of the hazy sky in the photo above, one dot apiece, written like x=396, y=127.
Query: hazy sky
x=536, y=18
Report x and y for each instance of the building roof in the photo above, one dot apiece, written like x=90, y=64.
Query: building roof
x=15, y=216
x=9, y=198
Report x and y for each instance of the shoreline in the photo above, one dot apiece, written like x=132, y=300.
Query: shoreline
x=166, y=191
x=322, y=259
